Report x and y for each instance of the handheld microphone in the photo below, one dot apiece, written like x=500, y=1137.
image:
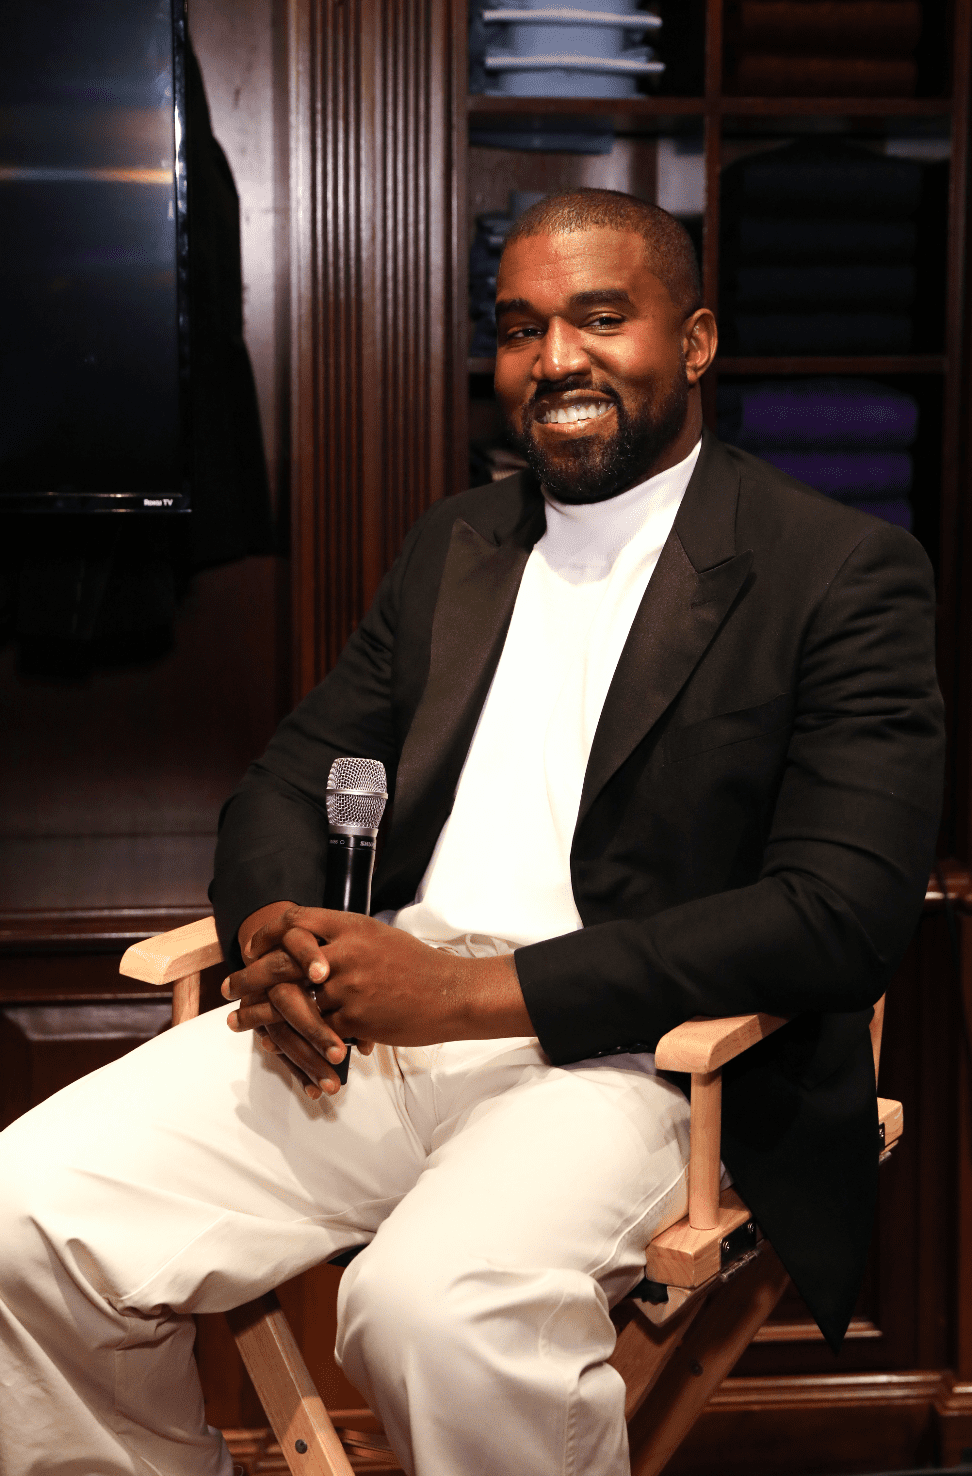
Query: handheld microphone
x=356, y=797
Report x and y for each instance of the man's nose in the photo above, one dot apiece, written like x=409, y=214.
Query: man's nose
x=562, y=352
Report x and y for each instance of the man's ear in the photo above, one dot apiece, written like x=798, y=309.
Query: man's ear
x=700, y=339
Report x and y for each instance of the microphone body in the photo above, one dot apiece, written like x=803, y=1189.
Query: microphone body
x=350, y=865
x=356, y=799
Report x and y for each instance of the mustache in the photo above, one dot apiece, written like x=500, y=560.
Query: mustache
x=562, y=386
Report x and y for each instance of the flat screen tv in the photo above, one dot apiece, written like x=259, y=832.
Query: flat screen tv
x=94, y=330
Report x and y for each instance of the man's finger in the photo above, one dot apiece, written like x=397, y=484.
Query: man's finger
x=318, y=922
x=251, y=1015
x=305, y=1058
x=300, y=1010
x=273, y=968
x=271, y=1047
x=305, y=950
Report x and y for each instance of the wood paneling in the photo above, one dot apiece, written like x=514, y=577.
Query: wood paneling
x=110, y=786
x=377, y=405
x=45, y=1047
x=869, y=1422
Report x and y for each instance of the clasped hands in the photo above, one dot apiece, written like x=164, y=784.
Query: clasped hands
x=313, y=978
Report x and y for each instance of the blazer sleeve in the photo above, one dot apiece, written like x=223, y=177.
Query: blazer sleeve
x=847, y=857
x=272, y=841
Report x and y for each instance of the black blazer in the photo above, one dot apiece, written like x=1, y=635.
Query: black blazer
x=756, y=825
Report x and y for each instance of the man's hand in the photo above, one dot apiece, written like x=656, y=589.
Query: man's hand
x=259, y=938
x=372, y=983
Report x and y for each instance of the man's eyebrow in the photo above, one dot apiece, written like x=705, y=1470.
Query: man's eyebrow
x=513, y=305
x=591, y=298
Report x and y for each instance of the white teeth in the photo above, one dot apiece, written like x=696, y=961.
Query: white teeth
x=565, y=415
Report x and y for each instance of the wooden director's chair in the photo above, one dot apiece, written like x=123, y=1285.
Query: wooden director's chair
x=710, y=1282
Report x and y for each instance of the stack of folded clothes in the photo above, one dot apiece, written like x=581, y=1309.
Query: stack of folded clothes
x=848, y=438
x=819, y=246
x=484, y=257
x=822, y=48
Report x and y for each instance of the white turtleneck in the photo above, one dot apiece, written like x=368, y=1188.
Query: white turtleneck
x=501, y=867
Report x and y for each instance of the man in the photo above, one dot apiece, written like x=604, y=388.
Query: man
x=664, y=739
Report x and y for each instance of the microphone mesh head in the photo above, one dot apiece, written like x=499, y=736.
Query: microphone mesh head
x=356, y=792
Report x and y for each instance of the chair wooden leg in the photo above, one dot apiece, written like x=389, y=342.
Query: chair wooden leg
x=642, y=1350
x=712, y=1345
x=185, y=998
x=286, y=1390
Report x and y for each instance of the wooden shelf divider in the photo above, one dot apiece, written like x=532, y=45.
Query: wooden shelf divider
x=627, y=112
x=738, y=364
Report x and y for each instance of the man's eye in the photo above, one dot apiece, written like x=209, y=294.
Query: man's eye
x=526, y=330
x=606, y=320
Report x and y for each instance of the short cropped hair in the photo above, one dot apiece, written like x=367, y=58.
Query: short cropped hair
x=670, y=250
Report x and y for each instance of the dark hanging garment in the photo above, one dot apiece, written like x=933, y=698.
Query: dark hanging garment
x=101, y=590
x=231, y=515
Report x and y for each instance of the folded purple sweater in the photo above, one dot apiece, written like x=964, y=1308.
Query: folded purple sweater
x=814, y=414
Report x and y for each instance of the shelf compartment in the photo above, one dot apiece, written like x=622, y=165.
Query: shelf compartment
x=628, y=113
x=831, y=364
x=633, y=115
x=801, y=364
x=833, y=107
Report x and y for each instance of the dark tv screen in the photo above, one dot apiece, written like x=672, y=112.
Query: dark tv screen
x=93, y=321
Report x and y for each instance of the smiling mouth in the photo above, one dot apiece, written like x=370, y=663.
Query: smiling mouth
x=579, y=413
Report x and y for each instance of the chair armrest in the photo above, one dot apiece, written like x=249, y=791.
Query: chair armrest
x=703, y=1045
x=171, y=956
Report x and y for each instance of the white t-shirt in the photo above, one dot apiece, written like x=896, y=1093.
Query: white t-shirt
x=501, y=866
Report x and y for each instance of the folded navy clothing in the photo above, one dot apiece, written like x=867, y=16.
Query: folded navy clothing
x=849, y=476
x=482, y=293
x=822, y=178
x=823, y=76
x=833, y=27
x=856, y=286
x=483, y=344
x=763, y=238
x=819, y=333
x=816, y=414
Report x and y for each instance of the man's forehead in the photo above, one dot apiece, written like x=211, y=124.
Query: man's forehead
x=578, y=265
x=568, y=250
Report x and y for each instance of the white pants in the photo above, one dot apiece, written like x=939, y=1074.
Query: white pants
x=508, y=1203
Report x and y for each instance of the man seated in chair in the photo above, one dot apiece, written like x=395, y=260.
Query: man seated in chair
x=663, y=739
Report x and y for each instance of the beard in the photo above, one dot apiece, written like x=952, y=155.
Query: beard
x=594, y=469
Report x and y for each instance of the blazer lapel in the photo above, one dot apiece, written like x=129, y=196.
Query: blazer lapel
x=697, y=578
x=475, y=603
